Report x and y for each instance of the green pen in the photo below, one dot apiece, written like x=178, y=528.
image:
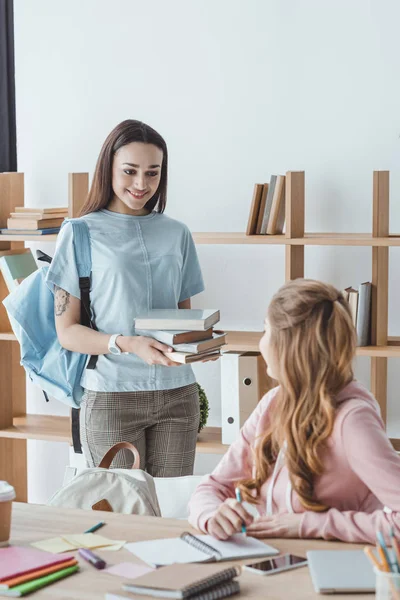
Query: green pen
x=95, y=527
x=239, y=499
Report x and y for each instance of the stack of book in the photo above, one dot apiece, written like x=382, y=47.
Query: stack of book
x=195, y=582
x=360, y=308
x=267, y=212
x=15, y=265
x=190, y=332
x=35, y=221
x=25, y=570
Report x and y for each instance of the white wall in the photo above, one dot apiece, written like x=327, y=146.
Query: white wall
x=239, y=90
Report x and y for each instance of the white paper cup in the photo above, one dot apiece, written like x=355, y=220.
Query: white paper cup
x=7, y=495
x=387, y=585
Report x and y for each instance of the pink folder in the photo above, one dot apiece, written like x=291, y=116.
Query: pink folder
x=17, y=560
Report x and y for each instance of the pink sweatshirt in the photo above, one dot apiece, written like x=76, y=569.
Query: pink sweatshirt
x=361, y=474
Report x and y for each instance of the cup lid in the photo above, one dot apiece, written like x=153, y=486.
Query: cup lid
x=7, y=491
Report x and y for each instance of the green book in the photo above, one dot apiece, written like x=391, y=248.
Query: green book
x=31, y=586
x=16, y=267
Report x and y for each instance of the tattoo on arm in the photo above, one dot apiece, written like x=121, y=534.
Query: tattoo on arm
x=61, y=300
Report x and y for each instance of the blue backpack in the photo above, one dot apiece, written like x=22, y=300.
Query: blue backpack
x=30, y=308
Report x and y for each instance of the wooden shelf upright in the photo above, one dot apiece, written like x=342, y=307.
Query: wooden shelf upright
x=13, y=447
x=16, y=426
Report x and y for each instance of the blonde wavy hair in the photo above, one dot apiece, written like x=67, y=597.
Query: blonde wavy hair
x=313, y=337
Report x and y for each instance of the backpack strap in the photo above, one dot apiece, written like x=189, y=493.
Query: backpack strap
x=83, y=259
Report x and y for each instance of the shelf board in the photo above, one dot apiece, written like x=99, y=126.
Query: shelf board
x=209, y=441
x=52, y=237
x=57, y=429
x=248, y=341
x=39, y=427
x=8, y=336
x=309, y=239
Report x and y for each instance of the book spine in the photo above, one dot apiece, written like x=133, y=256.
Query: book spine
x=268, y=204
x=254, y=210
x=364, y=314
x=261, y=208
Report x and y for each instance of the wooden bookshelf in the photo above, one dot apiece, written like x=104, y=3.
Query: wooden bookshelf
x=16, y=426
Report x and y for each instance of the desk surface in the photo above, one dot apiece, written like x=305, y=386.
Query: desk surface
x=31, y=522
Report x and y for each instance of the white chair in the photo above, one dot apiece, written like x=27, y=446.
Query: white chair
x=174, y=493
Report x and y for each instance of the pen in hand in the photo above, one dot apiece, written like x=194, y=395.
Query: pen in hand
x=239, y=499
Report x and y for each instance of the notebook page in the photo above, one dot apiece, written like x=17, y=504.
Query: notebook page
x=239, y=546
x=166, y=552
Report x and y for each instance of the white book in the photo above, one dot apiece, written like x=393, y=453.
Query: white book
x=187, y=357
x=176, y=337
x=181, y=550
x=193, y=319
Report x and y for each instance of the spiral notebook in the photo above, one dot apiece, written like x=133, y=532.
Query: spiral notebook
x=184, y=581
x=202, y=548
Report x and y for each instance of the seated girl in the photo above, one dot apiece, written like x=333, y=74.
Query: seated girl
x=314, y=456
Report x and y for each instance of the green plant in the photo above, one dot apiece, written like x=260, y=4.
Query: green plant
x=204, y=407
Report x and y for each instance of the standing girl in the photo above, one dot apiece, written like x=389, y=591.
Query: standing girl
x=314, y=456
x=141, y=259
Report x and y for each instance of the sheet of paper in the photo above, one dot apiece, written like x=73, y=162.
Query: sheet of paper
x=55, y=545
x=116, y=545
x=166, y=552
x=128, y=570
x=90, y=540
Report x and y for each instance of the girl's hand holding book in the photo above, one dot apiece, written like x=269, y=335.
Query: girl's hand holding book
x=148, y=349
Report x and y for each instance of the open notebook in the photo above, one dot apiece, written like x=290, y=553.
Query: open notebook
x=202, y=548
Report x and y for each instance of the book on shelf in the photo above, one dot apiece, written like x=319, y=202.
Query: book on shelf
x=184, y=581
x=186, y=358
x=276, y=219
x=15, y=267
x=363, y=323
x=37, y=215
x=352, y=298
x=193, y=319
x=261, y=210
x=32, y=224
x=268, y=204
x=176, y=337
x=254, y=209
x=44, y=231
x=360, y=308
x=60, y=210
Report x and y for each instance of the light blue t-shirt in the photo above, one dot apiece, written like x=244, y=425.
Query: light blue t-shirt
x=138, y=263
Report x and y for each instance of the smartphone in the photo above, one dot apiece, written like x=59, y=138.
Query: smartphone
x=276, y=565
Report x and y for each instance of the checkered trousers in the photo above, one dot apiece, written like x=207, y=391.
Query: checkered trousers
x=161, y=424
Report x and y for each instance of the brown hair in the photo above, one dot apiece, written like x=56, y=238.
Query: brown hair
x=128, y=131
x=313, y=336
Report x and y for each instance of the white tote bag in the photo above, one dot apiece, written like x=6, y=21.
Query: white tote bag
x=127, y=491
